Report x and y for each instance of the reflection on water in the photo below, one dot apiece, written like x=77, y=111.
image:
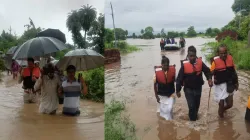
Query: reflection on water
x=20, y=121
x=132, y=79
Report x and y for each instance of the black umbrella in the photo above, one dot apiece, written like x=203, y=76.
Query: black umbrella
x=53, y=33
x=39, y=47
x=12, y=50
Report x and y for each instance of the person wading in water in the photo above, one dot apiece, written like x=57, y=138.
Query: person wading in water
x=225, y=79
x=162, y=44
x=164, y=87
x=28, y=76
x=190, y=76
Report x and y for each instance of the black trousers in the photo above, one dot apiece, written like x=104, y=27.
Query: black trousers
x=193, y=97
x=247, y=115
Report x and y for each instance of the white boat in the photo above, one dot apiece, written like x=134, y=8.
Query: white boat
x=172, y=47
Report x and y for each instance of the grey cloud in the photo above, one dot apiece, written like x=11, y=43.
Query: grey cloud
x=134, y=15
x=44, y=13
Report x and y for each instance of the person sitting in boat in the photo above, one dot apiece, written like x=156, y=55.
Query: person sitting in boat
x=168, y=41
x=172, y=41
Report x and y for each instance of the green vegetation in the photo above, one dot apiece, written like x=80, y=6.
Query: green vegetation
x=241, y=5
x=123, y=46
x=117, y=125
x=212, y=32
x=237, y=49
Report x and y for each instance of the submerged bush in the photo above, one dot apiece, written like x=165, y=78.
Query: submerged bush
x=117, y=125
x=95, y=82
x=123, y=47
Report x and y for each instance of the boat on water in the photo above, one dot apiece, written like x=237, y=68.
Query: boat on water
x=172, y=46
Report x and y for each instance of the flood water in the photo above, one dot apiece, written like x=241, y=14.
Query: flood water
x=132, y=80
x=19, y=121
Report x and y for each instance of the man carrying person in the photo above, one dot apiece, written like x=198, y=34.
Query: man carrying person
x=190, y=76
x=225, y=79
x=28, y=76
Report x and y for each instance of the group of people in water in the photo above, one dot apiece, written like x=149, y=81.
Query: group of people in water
x=49, y=87
x=165, y=41
x=222, y=71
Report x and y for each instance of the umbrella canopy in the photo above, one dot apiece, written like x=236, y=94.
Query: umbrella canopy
x=39, y=47
x=12, y=50
x=53, y=33
x=82, y=59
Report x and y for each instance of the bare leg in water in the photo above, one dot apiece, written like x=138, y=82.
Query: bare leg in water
x=223, y=108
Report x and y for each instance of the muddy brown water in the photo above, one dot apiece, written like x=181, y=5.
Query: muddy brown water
x=19, y=121
x=132, y=80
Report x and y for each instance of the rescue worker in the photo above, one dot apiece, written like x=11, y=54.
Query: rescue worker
x=28, y=76
x=190, y=76
x=164, y=87
x=182, y=42
x=225, y=79
x=162, y=44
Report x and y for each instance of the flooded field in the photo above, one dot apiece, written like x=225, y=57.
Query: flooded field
x=132, y=81
x=19, y=121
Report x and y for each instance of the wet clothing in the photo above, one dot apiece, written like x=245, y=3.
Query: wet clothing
x=27, y=75
x=165, y=91
x=165, y=81
x=48, y=98
x=29, y=95
x=72, y=92
x=162, y=44
x=225, y=77
x=182, y=42
x=224, y=71
x=14, y=67
x=193, y=97
x=190, y=75
x=220, y=92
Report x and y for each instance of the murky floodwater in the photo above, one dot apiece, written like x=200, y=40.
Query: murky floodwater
x=19, y=121
x=132, y=80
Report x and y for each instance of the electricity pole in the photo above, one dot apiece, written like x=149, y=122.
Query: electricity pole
x=113, y=23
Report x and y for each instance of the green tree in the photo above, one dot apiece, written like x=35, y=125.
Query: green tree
x=209, y=31
x=109, y=35
x=182, y=34
x=87, y=15
x=97, y=34
x=191, y=32
x=134, y=36
x=120, y=34
x=163, y=34
x=241, y=5
x=126, y=31
x=244, y=27
x=142, y=31
x=149, y=29
x=173, y=34
x=74, y=26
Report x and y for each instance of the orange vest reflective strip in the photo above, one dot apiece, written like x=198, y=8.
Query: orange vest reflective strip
x=161, y=77
x=220, y=64
x=248, y=103
x=35, y=72
x=189, y=68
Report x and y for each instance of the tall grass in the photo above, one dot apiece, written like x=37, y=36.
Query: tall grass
x=117, y=125
x=123, y=47
x=237, y=49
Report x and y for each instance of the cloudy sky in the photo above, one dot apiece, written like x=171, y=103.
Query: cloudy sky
x=44, y=13
x=134, y=15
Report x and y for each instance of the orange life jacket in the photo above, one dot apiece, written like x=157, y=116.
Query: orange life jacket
x=35, y=72
x=221, y=65
x=248, y=103
x=190, y=68
x=161, y=77
x=165, y=84
x=223, y=71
